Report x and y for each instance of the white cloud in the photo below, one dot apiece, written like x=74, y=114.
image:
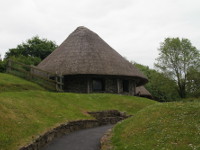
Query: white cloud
x=134, y=28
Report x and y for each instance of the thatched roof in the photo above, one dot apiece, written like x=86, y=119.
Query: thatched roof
x=142, y=91
x=84, y=52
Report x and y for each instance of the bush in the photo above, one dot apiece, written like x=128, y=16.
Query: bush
x=3, y=65
x=28, y=60
x=161, y=87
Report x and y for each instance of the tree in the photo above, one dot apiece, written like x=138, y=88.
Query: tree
x=176, y=58
x=2, y=65
x=31, y=52
x=34, y=47
x=193, y=83
x=161, y=87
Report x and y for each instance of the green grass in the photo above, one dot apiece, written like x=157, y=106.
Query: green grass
x=166, y=126
x=10, y=83
x=27, y=110
x=25, y=115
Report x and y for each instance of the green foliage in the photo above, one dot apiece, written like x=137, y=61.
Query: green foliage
x=160, y=86
x=167, y=126
x=193, y=83
x=28, y=60
x=31, y=52
x=2, y=65
x=34, y=47
x=176, y=58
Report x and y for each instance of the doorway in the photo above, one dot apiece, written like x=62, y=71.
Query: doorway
x=125, y=86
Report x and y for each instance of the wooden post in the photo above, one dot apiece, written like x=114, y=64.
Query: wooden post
x=56, y=79
x=118, y=86
x=134, y=84
x=9, y=65
x=48, y=76
x=129, y=87
x=61, y=81
x=88, y=85
x=31, y=72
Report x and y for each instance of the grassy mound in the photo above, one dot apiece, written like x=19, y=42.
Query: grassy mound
x=10, y=83
x=161, y=126
x=25, y=115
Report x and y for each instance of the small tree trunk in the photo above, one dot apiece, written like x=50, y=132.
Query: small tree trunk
x=182, y=91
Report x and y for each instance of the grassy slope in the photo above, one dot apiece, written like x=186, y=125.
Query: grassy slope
x=161, y=126
x=12, y=83
x=24, y=115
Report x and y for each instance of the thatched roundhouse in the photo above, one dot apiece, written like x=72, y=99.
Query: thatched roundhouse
x=89, y=64
x=143, y=92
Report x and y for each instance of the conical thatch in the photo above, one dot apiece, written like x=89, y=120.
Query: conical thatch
x=84, y=52
x=142, y=91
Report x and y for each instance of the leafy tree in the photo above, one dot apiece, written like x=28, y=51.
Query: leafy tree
x=161, y=87
x=193, y=83
x=176, y=58
x=34, y=47
x=2, y=65
x=30, y=52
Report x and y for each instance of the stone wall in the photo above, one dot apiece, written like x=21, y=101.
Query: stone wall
x=105, y=141
x=109, y=117
x=76, y=84
x=111, y=85
x=131, y=87
x=102, y=118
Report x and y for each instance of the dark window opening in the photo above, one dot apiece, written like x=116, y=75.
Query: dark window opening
x=52, y=77
x=98, y=85
x=125, y=86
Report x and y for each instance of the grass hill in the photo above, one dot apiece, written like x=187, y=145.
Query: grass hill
x=10, y=83
x=26, y=111
x=161, y=126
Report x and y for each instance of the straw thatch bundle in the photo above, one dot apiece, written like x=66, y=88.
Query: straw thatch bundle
x=84, y=52
x=143, y=92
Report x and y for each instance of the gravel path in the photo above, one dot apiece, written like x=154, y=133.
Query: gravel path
x=88, y=139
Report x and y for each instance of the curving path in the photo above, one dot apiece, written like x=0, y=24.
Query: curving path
x=88, y=139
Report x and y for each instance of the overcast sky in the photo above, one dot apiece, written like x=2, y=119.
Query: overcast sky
x=134, y=28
